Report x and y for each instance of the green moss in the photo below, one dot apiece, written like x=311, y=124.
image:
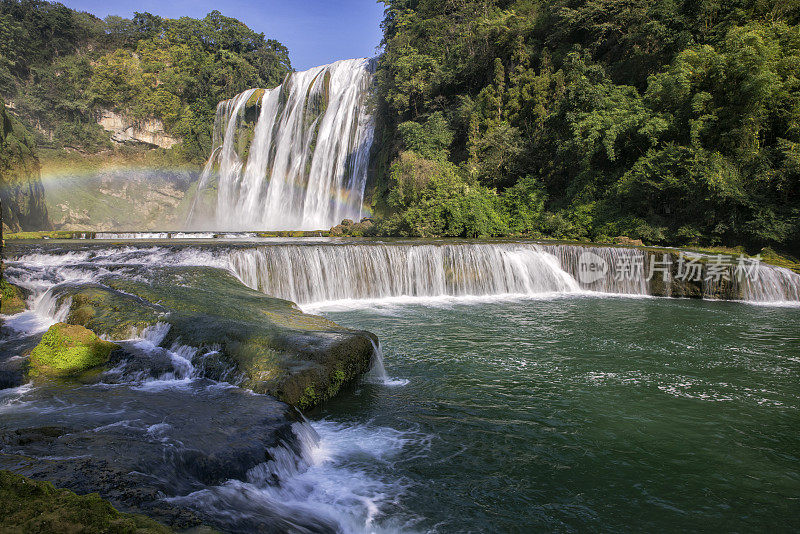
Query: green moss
x=337, y=380
x=32, y=506
x=255, y=98
x=770, y=256
x=41, y=235
x=308, y=399
x=13, y=301
x=68, y=350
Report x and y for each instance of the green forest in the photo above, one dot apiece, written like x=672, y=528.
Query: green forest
x=59, y=68
x=675, y=122
x=672, y=122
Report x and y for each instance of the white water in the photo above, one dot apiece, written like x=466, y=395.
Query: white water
x=319, y=480
x=307, y=274
x=342, y=476
x=340, y=273
x=316, y=481
x=378, y=372
x=303, y=165
x=324, y=273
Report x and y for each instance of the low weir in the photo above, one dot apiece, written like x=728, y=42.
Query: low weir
x=325, y=272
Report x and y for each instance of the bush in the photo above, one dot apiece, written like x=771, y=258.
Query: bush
x=430, y=198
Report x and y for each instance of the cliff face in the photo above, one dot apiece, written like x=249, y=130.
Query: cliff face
x=150, y=132
x=21, y=189
x=120, y=198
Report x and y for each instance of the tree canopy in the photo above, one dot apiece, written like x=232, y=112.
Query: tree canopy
x=61, y=68
x=673, y=122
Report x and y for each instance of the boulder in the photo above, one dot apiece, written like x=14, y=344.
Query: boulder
x=68, y=350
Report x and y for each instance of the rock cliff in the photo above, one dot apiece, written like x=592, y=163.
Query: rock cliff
x=21, y=188
x=148, y=132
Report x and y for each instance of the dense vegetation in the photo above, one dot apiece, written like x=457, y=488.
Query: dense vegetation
x=61, y=68
x=675, y=122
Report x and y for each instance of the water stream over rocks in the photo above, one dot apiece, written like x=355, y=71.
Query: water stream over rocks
x=172, y=427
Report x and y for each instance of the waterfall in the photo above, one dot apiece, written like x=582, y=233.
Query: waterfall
x=290, y=158
x=309, y=272
x=772, y=284
x=305, y=274
x=330, y=272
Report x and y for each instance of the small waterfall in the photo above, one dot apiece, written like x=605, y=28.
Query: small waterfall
x=306, y=274
x=329, y=272
x=378, y=372
x=571, y=258
x=293, y=157
x=772, y=284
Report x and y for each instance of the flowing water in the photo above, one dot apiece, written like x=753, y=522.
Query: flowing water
x=375, y=270
x=583, y=413
x=507, y=397
x=300, y=162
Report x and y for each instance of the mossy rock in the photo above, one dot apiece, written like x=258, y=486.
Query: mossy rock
x=13, y=299
x=33, y=506
x=260, y=342
x=68, y=350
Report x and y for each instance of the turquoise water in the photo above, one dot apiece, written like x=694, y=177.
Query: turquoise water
x=585, y=414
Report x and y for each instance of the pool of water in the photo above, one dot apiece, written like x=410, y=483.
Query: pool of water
x=584, y=414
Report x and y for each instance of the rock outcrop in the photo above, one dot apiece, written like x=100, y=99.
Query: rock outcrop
x=348, y=228
x=120, y=199
x=21, y=190
x=149, y=132
x=262, y=343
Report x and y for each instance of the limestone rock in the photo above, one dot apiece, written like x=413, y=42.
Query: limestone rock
x=148, y=132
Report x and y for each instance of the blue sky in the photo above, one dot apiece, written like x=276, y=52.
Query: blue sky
x=315, y=31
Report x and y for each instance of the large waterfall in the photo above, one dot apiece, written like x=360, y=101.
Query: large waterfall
x=294, y=157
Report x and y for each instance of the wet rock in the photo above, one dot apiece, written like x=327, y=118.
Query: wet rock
x=13, y=372
x=132, y=362
x=263, y=343
x=14, y=348
x=686, y=282
x=138, y=447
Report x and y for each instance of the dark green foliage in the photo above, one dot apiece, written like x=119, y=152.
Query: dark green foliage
x=429, y=198
x=61, y=68
x=673, y=122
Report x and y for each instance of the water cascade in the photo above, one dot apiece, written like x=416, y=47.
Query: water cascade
x=293, y=157
x=306, y=274
x=331, y=272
